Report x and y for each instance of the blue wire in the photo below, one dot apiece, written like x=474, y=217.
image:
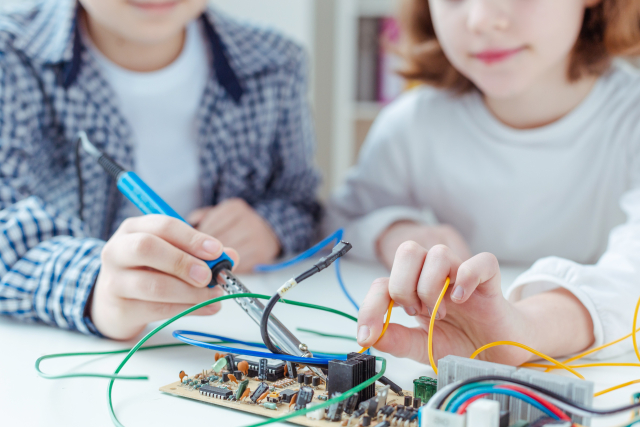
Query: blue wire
x=455, y=405
x=265, y=268
x=335, y=237
x=179, y=334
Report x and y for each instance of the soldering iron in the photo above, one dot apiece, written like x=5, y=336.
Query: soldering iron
x=142, y=196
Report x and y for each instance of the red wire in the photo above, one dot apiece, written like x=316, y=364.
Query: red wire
x=524, y=391
x=463, y=408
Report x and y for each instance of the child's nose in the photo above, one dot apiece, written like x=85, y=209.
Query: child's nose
x=487, y=16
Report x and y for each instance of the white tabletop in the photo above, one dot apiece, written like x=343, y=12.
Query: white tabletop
x=26, y=399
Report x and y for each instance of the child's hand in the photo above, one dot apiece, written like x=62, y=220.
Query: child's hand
x=472, y=314
x=152, y=269
x=402, y=231
x=236, y=224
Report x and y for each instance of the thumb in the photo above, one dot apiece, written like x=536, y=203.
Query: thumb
x=401, y=341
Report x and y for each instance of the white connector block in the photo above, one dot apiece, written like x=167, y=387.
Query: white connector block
x=316, y=415
x=483, y=413
x=430, y=417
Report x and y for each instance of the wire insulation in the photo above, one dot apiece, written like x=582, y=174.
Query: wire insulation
x=384, y=328
x=432, y=322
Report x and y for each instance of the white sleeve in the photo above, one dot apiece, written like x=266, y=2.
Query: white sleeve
x=609, y=289
x=379, y=190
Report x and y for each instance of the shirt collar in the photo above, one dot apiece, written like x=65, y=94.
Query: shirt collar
x=53, y=37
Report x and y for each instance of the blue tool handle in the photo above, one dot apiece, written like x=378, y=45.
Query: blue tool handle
x=149, y=202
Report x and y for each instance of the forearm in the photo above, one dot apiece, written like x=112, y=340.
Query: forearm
x=557, y=323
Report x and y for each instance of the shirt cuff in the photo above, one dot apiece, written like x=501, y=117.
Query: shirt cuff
x=552, y=273
x=86, y=284
x=294, y=226
x=364, y=232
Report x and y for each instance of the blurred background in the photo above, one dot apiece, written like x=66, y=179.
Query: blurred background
x=351, y=75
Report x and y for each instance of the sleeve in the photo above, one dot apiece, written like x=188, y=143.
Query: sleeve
x=609, y=289
x=379, y=190
x=289, y=204
x=48, y=264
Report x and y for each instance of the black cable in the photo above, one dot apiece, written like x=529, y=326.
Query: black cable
x=80, y=183
x=540, y=390
x=393, y=386
x=338, y=251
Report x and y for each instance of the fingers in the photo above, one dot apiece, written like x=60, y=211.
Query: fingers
x=481, y=270
x=222, y=217
x=440, y=263
x=401, y=341
x=152, y=286
x=407, y=266
x=176, y=232
x=148, y=250
x=372, y=310
x=196, y=216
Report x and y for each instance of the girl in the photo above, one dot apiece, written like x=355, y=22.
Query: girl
x=211, y=113
x=525, y=145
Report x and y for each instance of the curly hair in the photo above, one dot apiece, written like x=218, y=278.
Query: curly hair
x=609, y=29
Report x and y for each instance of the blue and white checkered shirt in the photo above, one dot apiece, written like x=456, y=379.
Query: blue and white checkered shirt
x=255, y=142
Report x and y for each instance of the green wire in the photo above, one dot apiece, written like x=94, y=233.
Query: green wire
x=324, y=334
x=103, y=353
x=138, y=346
x=463, y=389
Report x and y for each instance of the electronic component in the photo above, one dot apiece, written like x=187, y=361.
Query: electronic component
x=483, y=413
x=370, y=406
x=435, y=418
x=219, y=365
x=305, y=395
x=547, y=421
x=407, y=401
x=351, y=403
x=576, y=390
x=225, y=377
x=273, y=372
x=269, y=405
x=334, y=413
x=417, y=402
x=262, y=388
x=346, y=374
x=182, y=375
x=217, y=392
x=382, y=396
x=504, y=418
x=317, y=415
x=243, y=367
x=238, y=375
x=262, y=369
x=366, y=421
x=454, y=368
x=274, y=397
x=300, y=378
x=241, y=388
x=315, y=381
x=292, y=370
x=307, y=380
x=424, y=388
x=383, y=424
x=287, y=395
x=231, y=362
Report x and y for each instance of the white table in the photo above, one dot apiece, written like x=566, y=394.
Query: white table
x=26, y=399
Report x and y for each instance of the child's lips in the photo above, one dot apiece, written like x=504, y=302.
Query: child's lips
x=154, y=6
x=491, y=56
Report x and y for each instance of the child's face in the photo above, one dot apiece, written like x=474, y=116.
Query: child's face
x=505, y=47
x=144, y=21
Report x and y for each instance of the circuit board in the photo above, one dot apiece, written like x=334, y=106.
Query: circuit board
x=181, y=388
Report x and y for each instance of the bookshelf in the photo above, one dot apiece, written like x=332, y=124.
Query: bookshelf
x=343, y=120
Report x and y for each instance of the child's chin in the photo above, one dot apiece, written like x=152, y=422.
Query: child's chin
x=501, y=88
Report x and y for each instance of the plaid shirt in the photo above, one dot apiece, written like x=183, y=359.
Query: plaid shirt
x=255, y=142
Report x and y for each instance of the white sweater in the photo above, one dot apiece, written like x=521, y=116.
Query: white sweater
x=564, y=197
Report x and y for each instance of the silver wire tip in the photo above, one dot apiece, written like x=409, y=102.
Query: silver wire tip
x=88, y=146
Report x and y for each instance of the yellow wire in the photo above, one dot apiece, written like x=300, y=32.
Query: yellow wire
x=529, y=349
x=432, y=322
x=384, y=329
x=600, y=393
x=634, y=331
x=586, y=365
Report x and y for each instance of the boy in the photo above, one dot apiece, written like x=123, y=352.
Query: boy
x=208, y=111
